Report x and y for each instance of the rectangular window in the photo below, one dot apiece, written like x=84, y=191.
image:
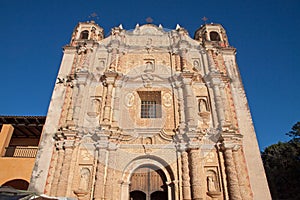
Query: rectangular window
x=148, y=109
x=150, y=104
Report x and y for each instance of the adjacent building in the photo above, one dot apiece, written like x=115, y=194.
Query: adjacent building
x=19, y=139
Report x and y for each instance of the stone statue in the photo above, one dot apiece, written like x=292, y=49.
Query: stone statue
x=211, y=186
x=84, y=179
x=202, y=105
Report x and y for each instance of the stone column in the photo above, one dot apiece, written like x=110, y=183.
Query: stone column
x=183, y=60
x=242, y=173
x=65, y=170
x=186, y=187
x=125, y=190
x=189, y=98
x=177, y=63
x=232, y=178
x=195, y=166
x=99, y=185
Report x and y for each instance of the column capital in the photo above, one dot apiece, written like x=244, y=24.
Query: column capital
x=229, y=146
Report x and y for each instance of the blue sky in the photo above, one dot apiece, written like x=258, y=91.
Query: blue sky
x=265, y=33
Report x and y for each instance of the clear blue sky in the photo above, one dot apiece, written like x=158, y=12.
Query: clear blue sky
x=265, y=33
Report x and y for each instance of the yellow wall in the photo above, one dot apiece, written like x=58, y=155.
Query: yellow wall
x=13, y=168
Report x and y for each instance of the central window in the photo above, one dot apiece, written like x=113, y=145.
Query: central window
x=150, y=104
x=148, y=109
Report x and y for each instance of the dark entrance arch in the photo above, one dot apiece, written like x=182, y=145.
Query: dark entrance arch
x=137, y=195
x=19, y=184
x=159, y=195
x=149, y=181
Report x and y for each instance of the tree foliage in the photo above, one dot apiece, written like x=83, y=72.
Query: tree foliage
x=282, y=166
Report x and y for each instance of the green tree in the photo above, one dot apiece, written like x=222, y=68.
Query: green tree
x=282, y=166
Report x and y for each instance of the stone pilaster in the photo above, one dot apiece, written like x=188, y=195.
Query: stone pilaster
x=232, y=177
x=81, y=82
x=60, y=159
x=99, y=185
x=195, y=166
x=226, y=106
x=116, y=107
x=110, y=177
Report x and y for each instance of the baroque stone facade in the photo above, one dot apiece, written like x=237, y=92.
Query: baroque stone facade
x=149, y=114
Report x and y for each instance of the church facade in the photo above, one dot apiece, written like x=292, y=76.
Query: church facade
x=148, y=114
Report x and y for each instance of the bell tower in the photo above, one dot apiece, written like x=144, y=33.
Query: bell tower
x=87, y=31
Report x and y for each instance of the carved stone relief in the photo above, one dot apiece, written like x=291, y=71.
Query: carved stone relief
x=213, y=188
x=167, y=99
x=129, y=99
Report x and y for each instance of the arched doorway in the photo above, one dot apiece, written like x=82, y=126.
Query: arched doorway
x=137, y=195
x=17, y=184
x=158, y=195
x=150, y=181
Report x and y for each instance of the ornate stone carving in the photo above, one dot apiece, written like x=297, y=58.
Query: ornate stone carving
x=167, y=99
x=129, y=99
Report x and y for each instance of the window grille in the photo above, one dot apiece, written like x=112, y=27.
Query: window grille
x=148, y=109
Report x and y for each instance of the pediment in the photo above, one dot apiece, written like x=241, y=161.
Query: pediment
x=148, y=29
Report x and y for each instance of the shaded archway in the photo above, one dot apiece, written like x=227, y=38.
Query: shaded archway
x=137, y=195
x=84, y=34
x=151, y=181
x=19, y=184
x=214, y=36
x=158, y=195
x=150, y=165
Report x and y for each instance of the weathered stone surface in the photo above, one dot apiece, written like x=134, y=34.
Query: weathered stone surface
x=149, y=114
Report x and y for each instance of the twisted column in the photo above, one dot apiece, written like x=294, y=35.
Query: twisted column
x=195, y=164
x=232, y=178
x=186, y=187
x=65, y=170
x=242, y=174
